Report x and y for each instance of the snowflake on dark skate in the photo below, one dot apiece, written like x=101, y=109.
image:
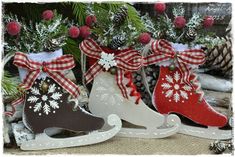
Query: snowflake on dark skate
x=44, y=102
x=175, y=89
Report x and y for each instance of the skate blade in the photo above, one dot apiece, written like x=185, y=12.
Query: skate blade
x=173, y=122
x=208, y=133
x=43, y=141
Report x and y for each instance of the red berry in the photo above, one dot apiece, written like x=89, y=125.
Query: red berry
x=13, y=28
x=74, y=32
x=47, y=15
x=90, y=20
x=208, y=21
x=179, y=22
x=144, y=38
x=160, y=7
x=85, y=31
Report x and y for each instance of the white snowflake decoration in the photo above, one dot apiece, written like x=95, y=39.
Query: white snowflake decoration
x=176, y=89
x=45, y=103
x=107, y=94
x=107, y=60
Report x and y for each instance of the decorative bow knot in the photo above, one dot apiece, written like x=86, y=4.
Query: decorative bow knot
x=163, y=51
x=53, y=68
x=127, y=60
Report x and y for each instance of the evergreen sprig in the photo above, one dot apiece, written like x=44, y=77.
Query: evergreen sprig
x=178, y=10
x=106, y=30
x=36, y=37
x=9, y=85
x=163, y=27
x=195, y=21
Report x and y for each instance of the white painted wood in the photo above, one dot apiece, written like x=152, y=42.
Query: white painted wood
x=106, y=98
x=208, y=133
x=21, y=133
x=43, y=141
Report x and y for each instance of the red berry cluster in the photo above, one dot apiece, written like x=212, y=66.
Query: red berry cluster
x=13, y=28
x=47, y=15
x=180, y=21
x=160, y=7
x=83, y=31
x=144, y=38
x=208, y=21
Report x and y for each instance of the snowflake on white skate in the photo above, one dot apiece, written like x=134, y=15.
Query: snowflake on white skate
x=44, y=103
x=174, y=88
x=107, y=60
x=107, y=93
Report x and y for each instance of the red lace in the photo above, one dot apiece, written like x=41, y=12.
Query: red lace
x=131, y=85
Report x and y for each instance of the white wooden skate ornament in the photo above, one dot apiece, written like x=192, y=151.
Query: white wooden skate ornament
x=106, y=98
x=173, y=95
x=51, y=104
x=44, y=141
x=116, y=94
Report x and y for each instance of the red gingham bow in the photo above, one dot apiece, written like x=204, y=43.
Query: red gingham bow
x=163, y=51
x=52, y=68
x=126, y=60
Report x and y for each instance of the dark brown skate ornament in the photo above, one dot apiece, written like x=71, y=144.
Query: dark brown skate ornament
x=44, y=109
x=49, y=105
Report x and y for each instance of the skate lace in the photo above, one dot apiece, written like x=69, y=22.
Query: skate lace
x=197, y=86
x=132, y=86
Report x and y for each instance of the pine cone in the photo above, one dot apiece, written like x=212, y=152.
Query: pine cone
x=218, y=147
x=120, y=16
x=137, y=80
x=220, y=58
x=190, y=34
x=117, y=42
x=151, y=73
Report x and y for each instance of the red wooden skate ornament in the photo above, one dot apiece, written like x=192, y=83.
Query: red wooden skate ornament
x=165, y=52
x=54, y=70
x=171, y=94
x=178, y=90
x=125, y=60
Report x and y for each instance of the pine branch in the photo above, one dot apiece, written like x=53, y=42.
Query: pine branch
x=134, y=18
x=10, y=86
x=79, y=10
x=178, y=10
x=106, y=30
x=36, y=37
x=71, y=47
x=195, y=21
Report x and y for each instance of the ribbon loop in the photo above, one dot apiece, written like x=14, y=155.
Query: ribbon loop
x=53, y=68
x=163, y=51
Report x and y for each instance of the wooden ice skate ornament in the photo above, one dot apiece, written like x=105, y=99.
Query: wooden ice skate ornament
x=178, y=91
x=112, y=94
x=49, y=103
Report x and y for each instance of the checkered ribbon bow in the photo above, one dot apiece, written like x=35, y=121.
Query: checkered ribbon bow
x=53, y=68
x=162, y=51
x=127, y=60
